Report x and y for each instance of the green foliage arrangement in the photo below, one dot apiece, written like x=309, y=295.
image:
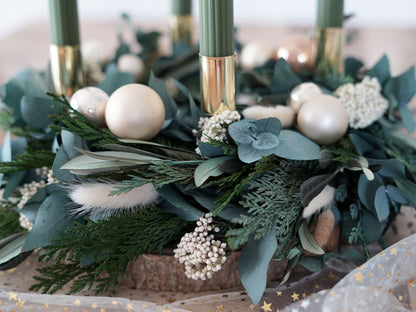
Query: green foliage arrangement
x=257, y=180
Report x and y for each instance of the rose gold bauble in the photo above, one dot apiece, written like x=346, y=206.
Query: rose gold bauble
x=299, y=52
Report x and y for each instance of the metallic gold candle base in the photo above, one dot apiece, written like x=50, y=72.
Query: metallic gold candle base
x=66, y=69
x=329, y=49
x=181, y=28
x=217, y=83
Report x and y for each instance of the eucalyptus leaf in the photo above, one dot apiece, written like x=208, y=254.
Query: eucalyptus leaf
x=209, y=168
x=391, y=168
x=354, y=256
x=159, y=86
x=352, y=66
x=5, y=151
x=407, y=118
x=31, y=207
x=248, y=154
x=295, y=146
x=53, y=218
x=14, y=90
x=396, y=195
x=307, y=240
x=253, y=80
x=36, y=110
x=312, y=264
x=408, y=188
x=271, y=124
x=14, y=179
x=178, y=204
x=367, y=192
x=209, y=150
x=254, y=262
x=372, y=230
x=265, y=140
x=284, y=80
x=381, y=203
x=114, y=80
x=381, y=70
x=242, y=132
x=403, y=87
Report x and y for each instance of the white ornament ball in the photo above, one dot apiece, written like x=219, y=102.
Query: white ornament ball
x=90, y=102
x=303, y=93
x=255, y=54
x=131, y=63
x=135, y=111
x=323, y=119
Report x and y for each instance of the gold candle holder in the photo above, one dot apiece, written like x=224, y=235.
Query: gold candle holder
x=329, y=49
x=217, y=83
x=66, y=69
x=181, y=28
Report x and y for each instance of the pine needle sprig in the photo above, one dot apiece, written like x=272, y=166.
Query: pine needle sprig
x=273, y=205
x=113, y=243
x=31, y=159
x=73, y=121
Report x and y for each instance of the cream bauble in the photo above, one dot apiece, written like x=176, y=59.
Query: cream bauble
x=303, y=93
x=94, y=51
x=284, y=113
x=135, y=111
x=90, y=102
x=323, y=119
x=255, y=54
x=131, y=63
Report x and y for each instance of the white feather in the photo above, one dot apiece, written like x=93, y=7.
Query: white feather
x=95, y=198
x=285, y=114
x=321, y=201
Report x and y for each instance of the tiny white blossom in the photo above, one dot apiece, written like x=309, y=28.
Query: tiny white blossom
x=201, y=257
x=363, y=102
x=216, y=126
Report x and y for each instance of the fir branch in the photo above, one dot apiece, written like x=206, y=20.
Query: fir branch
x=113, y=243
x=274, y=197
x=73, y=121
x=31, y=159
x=9, y=220
x=161, y=174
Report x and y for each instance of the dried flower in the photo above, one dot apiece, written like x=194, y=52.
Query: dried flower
x=200, y=252
x=363, y=102
x=215, y=127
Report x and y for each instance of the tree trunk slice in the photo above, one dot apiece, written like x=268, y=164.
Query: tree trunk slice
x=165, y=273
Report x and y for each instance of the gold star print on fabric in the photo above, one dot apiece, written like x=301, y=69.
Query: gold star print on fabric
x=77, y=302
x=20, y=303
x=129, y=307
x=94, y=305
x=251, y=307
x=295, y=296
x=359, y=277
x=102, y=310
x=13, y=296
x=31, y=308
x=114, y=302
x=46, y=306
x=393, y=252
x=266, y=307
x=279, y=293
x=166, y=310
x=220, y=308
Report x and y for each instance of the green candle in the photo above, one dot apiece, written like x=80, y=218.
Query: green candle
x=216, y=28
x=330, y=13
x=64, y=22
x=181, y=7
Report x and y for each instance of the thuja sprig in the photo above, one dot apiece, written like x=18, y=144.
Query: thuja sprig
x=112, y=243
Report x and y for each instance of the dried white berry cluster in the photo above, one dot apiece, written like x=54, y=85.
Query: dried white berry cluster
x=363, y=102
x=200, y=252
x=30, y=189
x=216, y=126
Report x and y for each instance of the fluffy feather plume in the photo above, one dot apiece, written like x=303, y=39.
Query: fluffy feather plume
x=285, y=114
x=322, y=201
x=95, y=198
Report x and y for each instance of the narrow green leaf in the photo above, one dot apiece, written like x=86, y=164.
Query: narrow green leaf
x=381, y=203
x=209, y=168
x=308, y=242
x=284, y=80
x=407, y=118
x=312, y=264
x=120, y=156
x=12, y=248
x=381, y=70
x=408, y=188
